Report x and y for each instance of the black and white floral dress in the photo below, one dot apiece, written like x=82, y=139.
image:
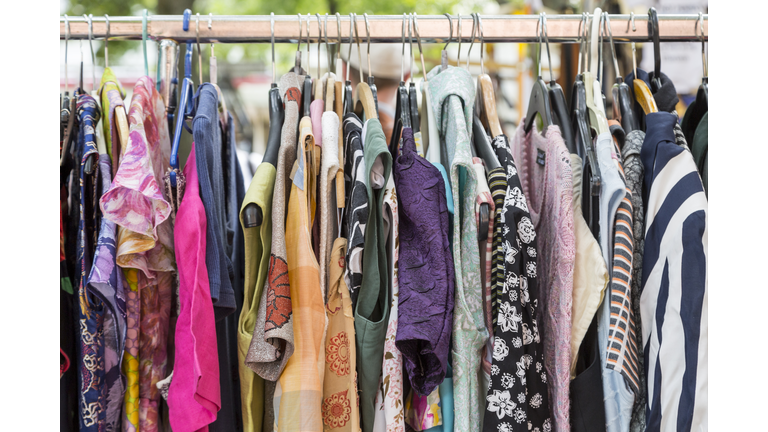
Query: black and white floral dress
x=517, y=398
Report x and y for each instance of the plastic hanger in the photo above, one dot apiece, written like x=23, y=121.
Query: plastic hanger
x=186, y=105
x=252, y=214
x=595, y=113
x=643, y=94
x=561, y=115
x=348, y=103
x=701, y=105
x=653, y=32
x=413, y=100
x=579, y=96
x=402, y=109
x=339, y=108
x=66, y=116
x=538, y=103
x=364, y=104
x=622, y=101
x=371, y=80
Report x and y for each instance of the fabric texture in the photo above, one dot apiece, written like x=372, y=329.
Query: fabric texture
x=356, y=203
x=194, y=394
x=340, y=409
x=208, y=153
x=299, y=392
x=258, y=242
x=486, y=261
x=590, y=274
x=389, y=406
x=544, y=164
x=136, y=204
x=327, y=199
x=112, y=95
x=426, y=273
x=372, y=308
x=452, y=94
x=517, y=397
x=272, y=342
x=699, y=148
x=673, y=302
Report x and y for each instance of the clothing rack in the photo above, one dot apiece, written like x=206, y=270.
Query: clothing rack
x=383, y=28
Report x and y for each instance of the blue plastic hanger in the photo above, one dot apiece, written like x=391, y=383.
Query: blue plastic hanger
x=186, y=102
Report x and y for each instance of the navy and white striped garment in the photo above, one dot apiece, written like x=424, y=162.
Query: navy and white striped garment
x=673, y=303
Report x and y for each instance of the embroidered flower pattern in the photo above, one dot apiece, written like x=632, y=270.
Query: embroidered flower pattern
x=500, y=402
x=507, y=380
x=336, y=410
x=500, y=350
x=536, y=400
x=509, y=318
x=525, y=230
x=337, y=354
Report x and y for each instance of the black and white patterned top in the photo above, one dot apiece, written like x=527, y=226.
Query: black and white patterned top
x=356, y=206
x=517, y=398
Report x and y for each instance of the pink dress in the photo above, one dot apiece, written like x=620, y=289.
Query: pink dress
x=544, y=166
x=194, y=396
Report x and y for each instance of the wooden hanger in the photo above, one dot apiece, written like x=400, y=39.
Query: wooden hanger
x=364, y=104
x=489, y=116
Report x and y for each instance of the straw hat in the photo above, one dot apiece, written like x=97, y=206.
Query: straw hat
x=386, y=58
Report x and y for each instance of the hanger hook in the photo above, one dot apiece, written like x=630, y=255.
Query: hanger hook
x=359, y=53
x=106, y=42
x=210, y=28
x=450, y=31
x=458, y=36
x=402, y=60
x=546, y=41
x=272, y=40
x=482, y=42
x=631, y=21
x=418, y=40
x=319, y=40
x=328, y=52
x=309, y=21
x=89, y=18
x=349, y=50
x=538, y=35
x=144, y=18
x=338, y=31
x=368, y=35
x=472, y=40
x=700, y=23
x=66, y=53
x=607, y=25
x=297, y=61
x=410, y=45
x=581, y=43
x=199, y=53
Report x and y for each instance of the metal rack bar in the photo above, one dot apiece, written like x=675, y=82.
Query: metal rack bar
x=384, y=28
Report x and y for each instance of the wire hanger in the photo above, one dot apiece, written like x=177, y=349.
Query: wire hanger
x=212, y=64
x=144, y=19
x=458, y=36
x=106, y=42
x=538, y=103
x=472, y=40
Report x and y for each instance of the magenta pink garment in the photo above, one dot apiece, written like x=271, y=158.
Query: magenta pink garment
x=316, y=115
x=194, y=396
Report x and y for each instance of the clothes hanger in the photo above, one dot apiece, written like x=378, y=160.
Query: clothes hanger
x=538, y=103
x=365, y=104
x=306, y=94
x=622, y=101
x=653, y=32
x=412, y=96
x=66, y=119
x=402, y=104
x=486, y=94
x=121, y=119
x=643, y=94
x=371, y=82
x=595, y=109
x=486, y=105
x=701, y=103
x=186, y=105
x=90, y=162
x=330, y=86
x=319, y=90
x=297, y=69
x=458, y=36
x=444, y=53
x=348, y=103
x=340, y=108
x=213, y=73
x=561, y=115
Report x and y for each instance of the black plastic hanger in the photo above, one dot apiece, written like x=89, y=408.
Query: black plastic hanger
x=412, y=97
x=622, y=101
x=538, y=103
x=557, y=98
x=653, y=32
x=701, y=104
x=402, y=117
x=253, y=214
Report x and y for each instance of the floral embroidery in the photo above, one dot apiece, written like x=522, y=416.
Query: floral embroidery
x=336, y=410
x=500, y=350
x=507, y=380
x=525, y=230
x=509, y=318
x=337, y=354
x=536, y=400
x=278, y=294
